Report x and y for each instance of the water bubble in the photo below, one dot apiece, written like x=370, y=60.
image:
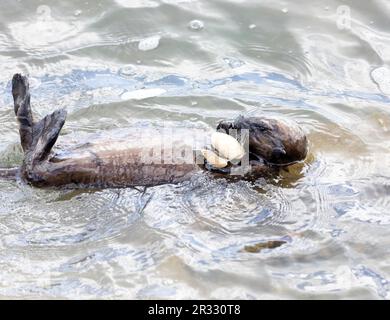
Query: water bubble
x=44, y=12
x=344, y=17
x=196, y=25
x=150, y=43
x=137, y=3
x=252, y=26
x=233, y=62
x=127, y=71
x=285, y=10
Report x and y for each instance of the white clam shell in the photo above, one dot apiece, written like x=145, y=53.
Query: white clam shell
x=227, y=146
x=214, y=159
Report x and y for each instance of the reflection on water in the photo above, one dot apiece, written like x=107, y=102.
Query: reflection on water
x=318, y=230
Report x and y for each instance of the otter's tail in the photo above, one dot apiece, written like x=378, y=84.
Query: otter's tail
x=37, y=138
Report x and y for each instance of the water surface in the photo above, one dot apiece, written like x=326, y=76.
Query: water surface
x=117, y=63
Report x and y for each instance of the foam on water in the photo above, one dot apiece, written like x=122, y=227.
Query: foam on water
x=149, y=43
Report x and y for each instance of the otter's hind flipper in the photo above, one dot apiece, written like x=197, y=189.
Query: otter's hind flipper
x=46, y=133
x=21, y=95
x=37, y=139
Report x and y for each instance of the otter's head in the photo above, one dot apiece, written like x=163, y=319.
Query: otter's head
x=276, y=141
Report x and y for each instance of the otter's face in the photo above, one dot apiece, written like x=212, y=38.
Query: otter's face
x=275, y=141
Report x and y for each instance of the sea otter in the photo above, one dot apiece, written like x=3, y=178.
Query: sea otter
x=128, y=158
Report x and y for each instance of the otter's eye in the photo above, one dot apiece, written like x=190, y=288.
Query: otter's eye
x=277, y=153
x=262, y=126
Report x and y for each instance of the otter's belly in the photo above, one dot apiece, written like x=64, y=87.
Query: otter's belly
x=139, y=159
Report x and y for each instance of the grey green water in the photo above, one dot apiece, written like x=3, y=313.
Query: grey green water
x=114, y=63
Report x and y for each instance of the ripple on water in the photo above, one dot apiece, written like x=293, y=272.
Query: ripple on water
x=43, y=31
x=72, y=218
x=233, y=207
x=48, y=34
x=189, y=240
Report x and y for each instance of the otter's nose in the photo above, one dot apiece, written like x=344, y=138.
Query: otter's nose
x=277, y=155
